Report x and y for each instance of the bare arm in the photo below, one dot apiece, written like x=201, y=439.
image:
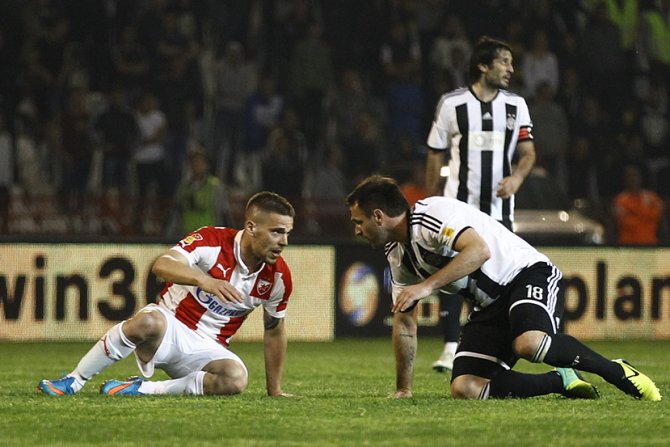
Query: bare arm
x=473, y=252
x=434, y=163
x=274, y=344
x=404, y=345
x=510, y=185
x=172, y=266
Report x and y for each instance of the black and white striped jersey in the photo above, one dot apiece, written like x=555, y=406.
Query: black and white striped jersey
x=434, y=226
x=482, y=138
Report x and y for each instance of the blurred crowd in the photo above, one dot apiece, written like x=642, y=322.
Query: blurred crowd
x=121, y=117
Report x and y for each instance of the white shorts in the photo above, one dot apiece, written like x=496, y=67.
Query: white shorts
x=182, y=351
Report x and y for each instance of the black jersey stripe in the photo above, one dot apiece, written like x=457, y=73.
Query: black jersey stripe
x=428, y=217
x=510, y=111
x=486, y=182
x=428, y=225
x=486, y=165
x=415, y=263
x=462, y=120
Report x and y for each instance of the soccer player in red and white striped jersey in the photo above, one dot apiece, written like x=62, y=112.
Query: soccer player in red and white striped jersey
x=215, y=277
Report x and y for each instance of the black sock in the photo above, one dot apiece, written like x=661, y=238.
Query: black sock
x=568, y=352
x=450, y=316
x=516, y=384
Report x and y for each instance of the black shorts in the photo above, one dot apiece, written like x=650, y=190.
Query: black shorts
x=532, y=301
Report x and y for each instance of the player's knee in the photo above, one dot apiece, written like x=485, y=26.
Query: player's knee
x=465, y=387
x=144, y=326
x=528, y=344
x=233, y=381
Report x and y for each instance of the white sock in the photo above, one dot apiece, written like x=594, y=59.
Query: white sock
x=190, y=384
x=112, y=347
x=450, y=347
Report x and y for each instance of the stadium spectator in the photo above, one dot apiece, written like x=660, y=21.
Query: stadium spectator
x=149, y=162
x=539, y=65
x=284, y=163
x=6, y=173
x=603, y=63
x=451, y=50
x=215, y=278
x=234, y=83
x=118, y=135
x=482, y=126
x=182, y=100
x=345, y=103
x=638, y=211
x=76, y=150
x=400, y=53
x=131, y=60
x=312, y=74
x=262, y=112
x=363, y=152
x=652, y=122
x=582, y=177
x=326, y=186
x=443, y=243
x=202, y=198
x=551, y=131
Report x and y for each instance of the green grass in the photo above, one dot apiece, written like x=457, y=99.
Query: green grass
x=342, y=387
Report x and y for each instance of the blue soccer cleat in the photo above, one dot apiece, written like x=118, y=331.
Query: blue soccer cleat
x=59, y=387
x=129, y=387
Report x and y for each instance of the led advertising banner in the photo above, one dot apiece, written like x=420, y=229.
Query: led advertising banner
x=78, y=291
x=609, y=293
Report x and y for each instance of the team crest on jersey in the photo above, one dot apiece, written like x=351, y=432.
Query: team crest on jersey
x=511, y=119
x=188, y=240
x=448, y=232
x=263, y=286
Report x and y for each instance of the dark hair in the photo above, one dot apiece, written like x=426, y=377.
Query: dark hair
x=270, y=202
x=378, y=192
x=486, y=49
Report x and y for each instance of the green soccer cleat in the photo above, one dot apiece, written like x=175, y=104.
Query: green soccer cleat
x=637, y=384
x=575, y=386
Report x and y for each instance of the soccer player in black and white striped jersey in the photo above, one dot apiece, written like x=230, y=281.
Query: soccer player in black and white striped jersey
x=443, y=244
x=482, y=126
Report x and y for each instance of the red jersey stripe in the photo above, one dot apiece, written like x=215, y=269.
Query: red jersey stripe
x=189, y=311
x=229, y=329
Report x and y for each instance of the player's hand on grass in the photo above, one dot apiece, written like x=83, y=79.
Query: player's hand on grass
x=401, y=394
x=283, y=394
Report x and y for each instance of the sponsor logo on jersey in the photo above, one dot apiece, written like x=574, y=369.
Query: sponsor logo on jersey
x=448, y=232
x=214, y=305
x=223, y=269
x=263, y=286
x=188, y=240
x=511, y=119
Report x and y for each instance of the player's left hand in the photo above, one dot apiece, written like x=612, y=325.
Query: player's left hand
x=283, y=394
x=508, y=186
x=409, y=295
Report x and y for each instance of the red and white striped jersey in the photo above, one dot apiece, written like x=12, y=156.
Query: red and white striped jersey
x=216, y=251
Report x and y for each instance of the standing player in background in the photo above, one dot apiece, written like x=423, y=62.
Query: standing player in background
x=482, y=126
x=215, y=277
x=442, y=243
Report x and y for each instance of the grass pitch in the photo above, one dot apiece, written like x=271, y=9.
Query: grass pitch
x=342, y=388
